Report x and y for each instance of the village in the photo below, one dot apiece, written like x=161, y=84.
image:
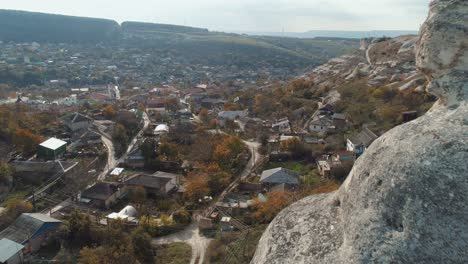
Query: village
x=118, y=177
x=206, y=163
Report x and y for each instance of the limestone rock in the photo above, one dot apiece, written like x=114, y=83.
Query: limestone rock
x=406, y=199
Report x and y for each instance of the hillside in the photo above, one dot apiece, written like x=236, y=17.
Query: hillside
x=197, y=45
x=23, y=26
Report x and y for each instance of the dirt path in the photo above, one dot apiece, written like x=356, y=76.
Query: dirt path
x=191, y=235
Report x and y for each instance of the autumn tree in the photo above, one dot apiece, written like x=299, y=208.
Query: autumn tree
x=182, y=216
x=168, y=151
x=109, y=112
x=297, y=149
x=276, y=201
x=26, y=142
x=77, y=229
x=197, y=186
x=203, y=115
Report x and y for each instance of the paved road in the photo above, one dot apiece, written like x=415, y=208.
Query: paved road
x=191, y=235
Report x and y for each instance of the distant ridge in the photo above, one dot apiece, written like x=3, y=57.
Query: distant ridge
x=32, y=26
x=337, y=34
x=143, y=26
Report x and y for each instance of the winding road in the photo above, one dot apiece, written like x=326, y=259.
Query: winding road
x=191, y=235
x=112, y=162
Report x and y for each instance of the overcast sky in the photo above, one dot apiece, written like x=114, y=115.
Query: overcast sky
x=246, y=15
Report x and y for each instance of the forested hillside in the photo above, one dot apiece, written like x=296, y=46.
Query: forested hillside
x=27, y=26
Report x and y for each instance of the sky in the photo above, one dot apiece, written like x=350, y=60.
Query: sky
x=245, y=15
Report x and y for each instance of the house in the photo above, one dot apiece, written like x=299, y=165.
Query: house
x=10, y=252
x=281, y=126
x=359, y=143
x=101, y=194
x=336, y=166
x=322, y=124
x=135, y=159
x=156, y=103
x=276, y=176
x=51, y=149
x=224, y=116
x=158, y=183
x=31, y=230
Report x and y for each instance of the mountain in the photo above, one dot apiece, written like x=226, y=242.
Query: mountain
x=337, y=34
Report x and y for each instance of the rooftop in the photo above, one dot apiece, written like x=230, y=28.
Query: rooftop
x=27, y=226
x=8, y=249
x=53, y=143
x=279, y=175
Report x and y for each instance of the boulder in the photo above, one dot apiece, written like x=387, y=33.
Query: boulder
x=406, y=199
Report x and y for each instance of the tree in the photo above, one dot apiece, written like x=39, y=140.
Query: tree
x=168, y=151
x=137, y=195
x=141, y=243
x=203, y=115
x=26, y=141
x=6, y=174
x=182, y=216
x=275, y=202
x=109, y=112
x=197, y=187
x=296, y=147
x=78, y=229
x=120, y=139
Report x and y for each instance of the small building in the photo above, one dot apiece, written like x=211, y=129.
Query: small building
x=78, y=122
x=322, y=124
x=205, y=223
x=10, y=252
x=31, y=230
x=281, y=126
x=276, y=176
x=225, y=224
x=359, y=143
x=158, y=183
x=224, y=116
x=51, y=149
x=128, y=214
x=409, y=116
x=101, y=195
x=161, y=129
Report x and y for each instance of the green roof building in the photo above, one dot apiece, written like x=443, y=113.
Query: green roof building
x=51, y=149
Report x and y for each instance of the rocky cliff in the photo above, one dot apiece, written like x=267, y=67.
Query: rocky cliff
x=406, y=199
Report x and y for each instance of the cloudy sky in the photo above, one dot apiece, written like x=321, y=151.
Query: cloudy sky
x=246, y=15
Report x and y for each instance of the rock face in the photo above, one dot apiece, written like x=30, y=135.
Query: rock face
x=406, y=199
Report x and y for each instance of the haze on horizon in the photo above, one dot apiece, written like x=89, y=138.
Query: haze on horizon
x=246, y=15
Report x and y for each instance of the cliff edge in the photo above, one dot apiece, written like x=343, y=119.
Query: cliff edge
x=406, y=199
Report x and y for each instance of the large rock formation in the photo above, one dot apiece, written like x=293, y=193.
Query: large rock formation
x=406, y=199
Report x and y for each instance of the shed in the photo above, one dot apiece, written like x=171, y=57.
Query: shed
x=10, y=252
x=279, y=175
x=31, y=230
x=51, y=149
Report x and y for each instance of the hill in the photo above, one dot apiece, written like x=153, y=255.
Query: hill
x=23, y=26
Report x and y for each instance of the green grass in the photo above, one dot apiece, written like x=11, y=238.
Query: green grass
x=299, y=167
x=174, y=253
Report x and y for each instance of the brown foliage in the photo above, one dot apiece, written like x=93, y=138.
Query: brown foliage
x=275, y=202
